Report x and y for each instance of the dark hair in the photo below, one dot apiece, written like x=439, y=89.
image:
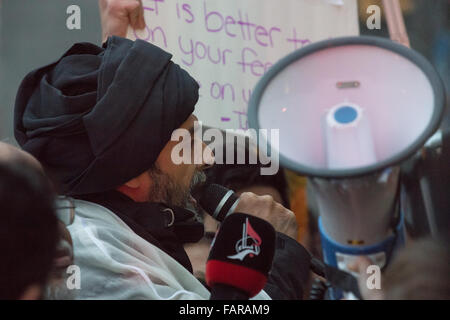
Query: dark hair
x=239, y=176
x=28, y=228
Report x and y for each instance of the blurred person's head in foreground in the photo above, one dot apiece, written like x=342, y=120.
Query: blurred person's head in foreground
x=24, y=165
x=244, y=177
x=28, y=226
x=420, y=271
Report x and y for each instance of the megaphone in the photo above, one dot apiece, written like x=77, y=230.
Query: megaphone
x=349, y=111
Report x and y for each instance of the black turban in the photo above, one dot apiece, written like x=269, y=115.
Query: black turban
x=99, y=117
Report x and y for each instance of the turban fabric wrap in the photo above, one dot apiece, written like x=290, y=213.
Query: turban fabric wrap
x=99, y=117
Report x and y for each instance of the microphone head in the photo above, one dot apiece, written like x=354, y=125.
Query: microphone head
x=216, y=200
x=242, y=253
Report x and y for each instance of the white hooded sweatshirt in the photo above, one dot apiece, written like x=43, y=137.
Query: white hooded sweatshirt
x=116, y=263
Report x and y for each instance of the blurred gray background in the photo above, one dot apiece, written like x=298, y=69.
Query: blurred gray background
x=33, y=33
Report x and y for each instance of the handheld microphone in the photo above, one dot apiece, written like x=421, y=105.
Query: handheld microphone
x=240, y=258
x=217, y=201
x=220, y=202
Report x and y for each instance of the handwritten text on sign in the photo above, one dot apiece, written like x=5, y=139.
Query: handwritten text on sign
x=228, y=45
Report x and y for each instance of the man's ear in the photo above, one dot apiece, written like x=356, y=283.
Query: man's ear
x=137, y=188
x=134, y=183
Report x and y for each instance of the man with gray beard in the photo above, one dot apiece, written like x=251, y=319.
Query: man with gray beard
x=100, y=121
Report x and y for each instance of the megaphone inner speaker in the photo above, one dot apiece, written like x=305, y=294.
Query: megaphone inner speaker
x=348, y=106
